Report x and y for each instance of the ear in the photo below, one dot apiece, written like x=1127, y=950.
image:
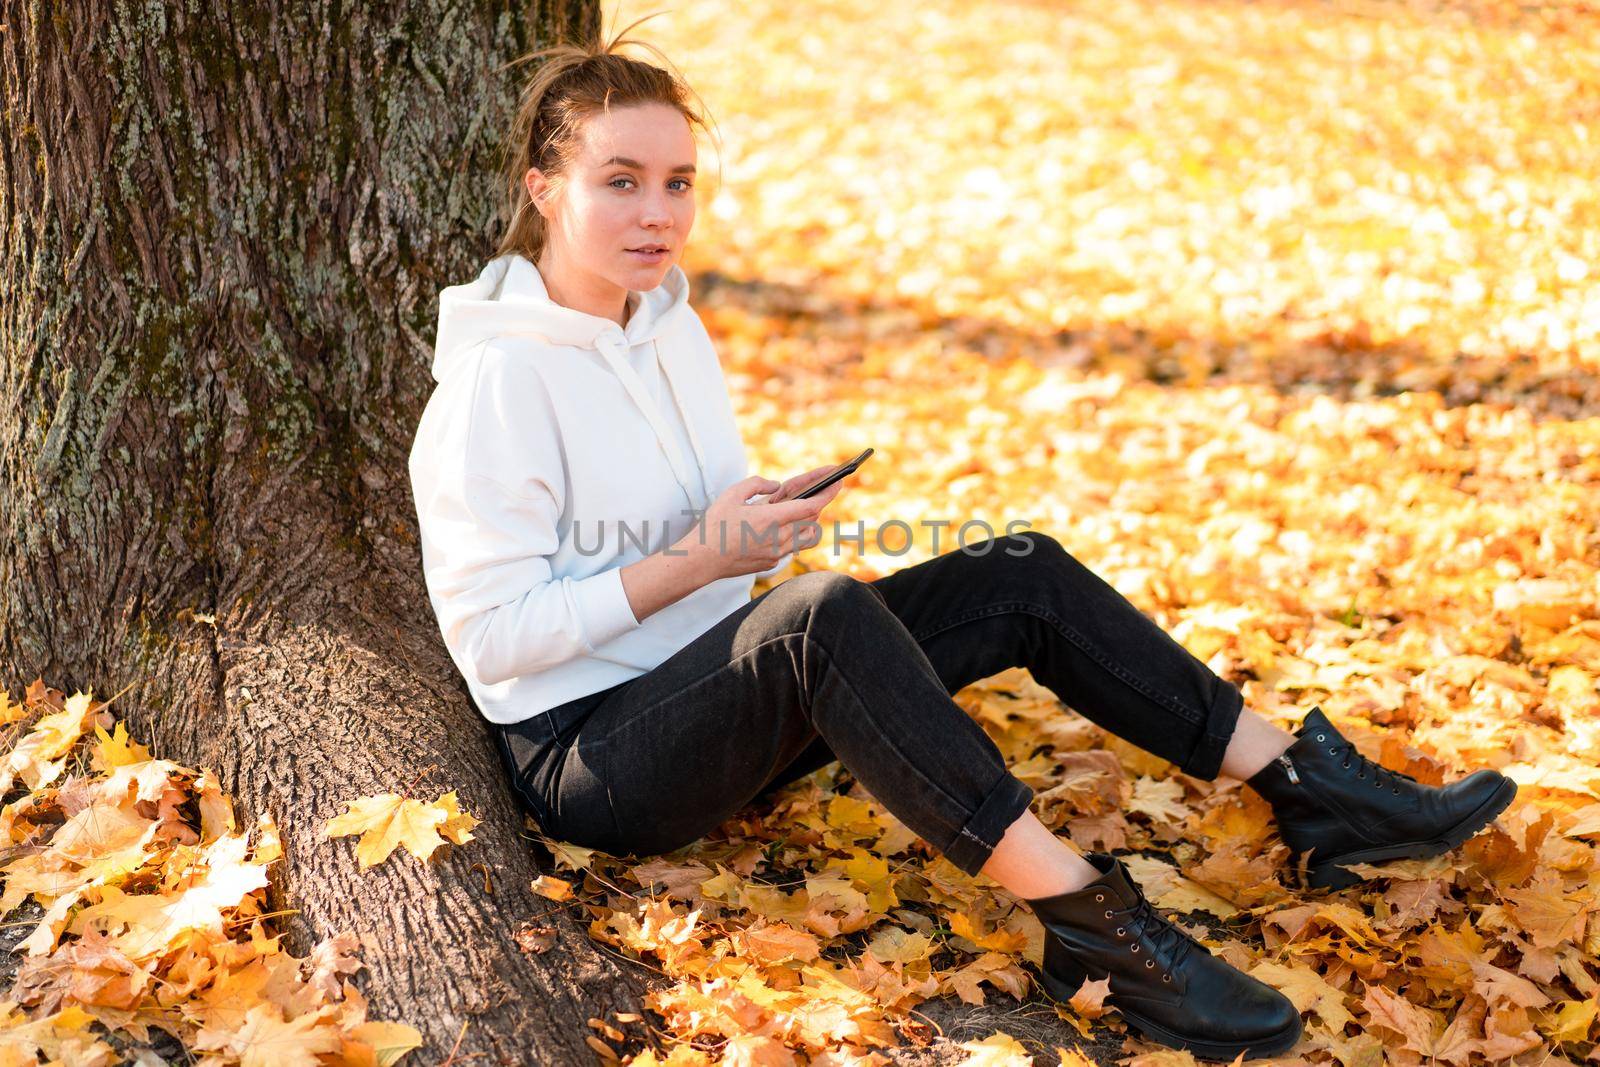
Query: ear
x=537, y=185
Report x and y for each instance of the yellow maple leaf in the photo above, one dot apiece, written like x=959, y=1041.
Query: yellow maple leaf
x=1167, y=888
x=573, y=857
x=101, y=827
x=267, y=1039
x=155, y=919
x=775, y=942
x=552, y=888
x=389, y=821
x=387, y=1041
x=1307, y=989
x=869, y=872
x=893, y=944
x=853, y=816
x=35, y=758
x=9, y=712
x=1571, y=1020
x=756, y=1050
x=456, y=829
x=684, y=1055
x=996, y=968
x=116, y=749
x=999, y=940
x=725, y=886
x=997, y=1050
x=1161, y=799
x=1548, y=914
x=1416, y=1025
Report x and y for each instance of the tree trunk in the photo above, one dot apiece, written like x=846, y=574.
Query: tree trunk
x=225, y=230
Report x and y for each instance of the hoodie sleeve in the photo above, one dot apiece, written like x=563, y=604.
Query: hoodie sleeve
x=489, y=485
x=501, y=612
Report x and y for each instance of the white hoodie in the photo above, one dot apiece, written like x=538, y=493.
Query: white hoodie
x=555, y=442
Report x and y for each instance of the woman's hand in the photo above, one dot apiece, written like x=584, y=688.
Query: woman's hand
x=735, y=537
x=799, y=483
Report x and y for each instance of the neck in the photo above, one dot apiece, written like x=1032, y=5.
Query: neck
x=588, y=293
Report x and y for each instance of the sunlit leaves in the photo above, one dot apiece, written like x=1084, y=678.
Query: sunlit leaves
x=153, y=918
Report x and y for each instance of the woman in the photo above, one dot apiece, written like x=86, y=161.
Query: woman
x=581, y=486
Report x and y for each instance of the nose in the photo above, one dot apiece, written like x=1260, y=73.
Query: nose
x=656, y=211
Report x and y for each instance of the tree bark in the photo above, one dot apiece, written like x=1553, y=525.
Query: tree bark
x=225, y=228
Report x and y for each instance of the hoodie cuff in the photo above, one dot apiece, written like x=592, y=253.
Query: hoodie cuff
x=603, y=607
x=777, y=568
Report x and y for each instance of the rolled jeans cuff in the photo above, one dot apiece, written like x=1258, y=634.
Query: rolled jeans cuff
x=976, y=840
x=1205, y=760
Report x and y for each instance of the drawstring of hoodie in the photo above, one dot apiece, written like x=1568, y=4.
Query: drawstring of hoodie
x=688, y=423
x=612, y=348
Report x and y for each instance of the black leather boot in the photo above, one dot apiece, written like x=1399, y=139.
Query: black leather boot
x=1332, y=802
x=1166, y=984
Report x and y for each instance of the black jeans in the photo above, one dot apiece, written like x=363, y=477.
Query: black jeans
x=824, y=666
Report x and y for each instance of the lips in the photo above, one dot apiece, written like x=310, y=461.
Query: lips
x=652, y=255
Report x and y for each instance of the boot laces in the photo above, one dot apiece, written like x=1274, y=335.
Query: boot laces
x=1348, y=751
x=1169, y=942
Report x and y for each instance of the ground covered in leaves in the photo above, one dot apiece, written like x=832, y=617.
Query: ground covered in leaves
x=1284, y=317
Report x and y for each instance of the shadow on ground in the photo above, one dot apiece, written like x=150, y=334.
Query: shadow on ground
x=1339, y=365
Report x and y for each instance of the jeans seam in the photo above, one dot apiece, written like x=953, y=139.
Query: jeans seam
x=1089, y=647
x=1004, y=782
x=1212, y=747
x=526, y=797
x=611, y=797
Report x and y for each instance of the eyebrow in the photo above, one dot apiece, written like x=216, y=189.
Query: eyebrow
x=682, y=168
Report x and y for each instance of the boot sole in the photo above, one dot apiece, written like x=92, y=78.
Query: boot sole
x=1270, y=1045
x=1331, y=875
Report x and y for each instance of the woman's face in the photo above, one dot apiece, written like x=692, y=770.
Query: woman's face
x=632, y=186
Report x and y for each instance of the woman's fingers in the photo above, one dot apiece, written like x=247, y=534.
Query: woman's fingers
x=806, y=480
x=802, y=534
x=797, y=484
x=782, y=522
x=753, y=487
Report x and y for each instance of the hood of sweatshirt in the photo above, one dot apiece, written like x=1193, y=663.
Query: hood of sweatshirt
x=509, y=299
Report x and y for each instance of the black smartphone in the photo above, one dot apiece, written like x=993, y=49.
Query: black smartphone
x=843, y=471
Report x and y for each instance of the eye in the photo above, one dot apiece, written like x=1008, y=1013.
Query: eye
x=687, y=184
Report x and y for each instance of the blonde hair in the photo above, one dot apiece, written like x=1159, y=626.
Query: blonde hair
x=575, y=81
